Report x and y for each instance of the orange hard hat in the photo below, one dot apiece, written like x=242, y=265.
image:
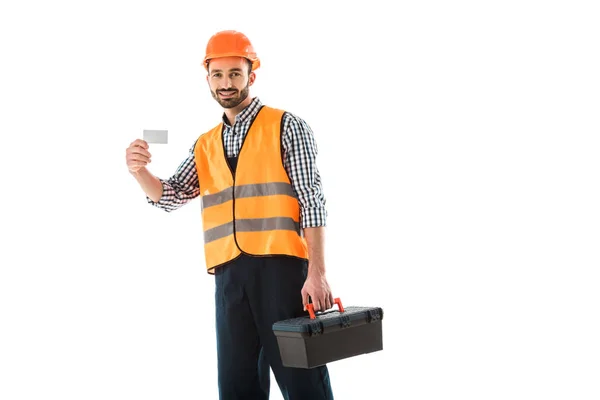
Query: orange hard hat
x=230, y=44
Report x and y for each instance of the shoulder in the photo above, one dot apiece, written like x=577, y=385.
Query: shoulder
x=193, y=148
x=293, y=124
x=287, y=116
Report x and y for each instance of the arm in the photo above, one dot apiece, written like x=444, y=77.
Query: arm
x=300, y=162
x=300, y=153
x=316, y=285
x=172, y=193
x=315, y=241
x=149, y=183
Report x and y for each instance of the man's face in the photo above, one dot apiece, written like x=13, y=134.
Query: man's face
x=229, y=80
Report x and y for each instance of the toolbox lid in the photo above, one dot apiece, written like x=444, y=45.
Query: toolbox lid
x=351, y=316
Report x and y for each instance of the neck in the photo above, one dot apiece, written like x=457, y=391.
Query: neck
x=231, y=113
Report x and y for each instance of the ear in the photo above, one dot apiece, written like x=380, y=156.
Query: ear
x=251, y=78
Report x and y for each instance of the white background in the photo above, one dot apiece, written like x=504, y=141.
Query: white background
x=457, y=146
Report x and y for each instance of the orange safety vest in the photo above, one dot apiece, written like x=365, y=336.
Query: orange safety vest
x=255, y=212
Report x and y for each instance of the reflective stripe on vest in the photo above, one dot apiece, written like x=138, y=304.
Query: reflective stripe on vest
x=261, y=197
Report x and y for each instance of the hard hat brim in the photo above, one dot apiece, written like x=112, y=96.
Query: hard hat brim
x=255, y=61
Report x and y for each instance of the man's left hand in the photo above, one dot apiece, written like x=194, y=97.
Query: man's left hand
x=317, y=288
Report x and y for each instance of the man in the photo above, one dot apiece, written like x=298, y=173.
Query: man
x=263, y=214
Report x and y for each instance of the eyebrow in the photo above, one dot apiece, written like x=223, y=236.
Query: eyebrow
x=231, y=70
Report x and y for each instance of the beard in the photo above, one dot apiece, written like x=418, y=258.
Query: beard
x=234, y=100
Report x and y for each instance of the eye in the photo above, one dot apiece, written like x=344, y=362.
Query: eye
x=216, y=75
x=235, y=74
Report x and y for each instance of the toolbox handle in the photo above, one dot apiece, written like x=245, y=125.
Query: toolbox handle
x=311, y=308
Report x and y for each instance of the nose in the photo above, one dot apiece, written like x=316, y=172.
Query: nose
x=225, y=83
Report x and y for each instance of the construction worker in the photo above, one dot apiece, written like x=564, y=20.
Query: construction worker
x=263, y=215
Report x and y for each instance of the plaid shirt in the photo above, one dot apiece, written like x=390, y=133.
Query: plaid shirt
x=299, y=160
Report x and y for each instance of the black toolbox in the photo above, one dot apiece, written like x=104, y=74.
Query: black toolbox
x=318, y=339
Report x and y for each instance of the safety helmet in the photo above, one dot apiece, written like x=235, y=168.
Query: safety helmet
x=230, y=44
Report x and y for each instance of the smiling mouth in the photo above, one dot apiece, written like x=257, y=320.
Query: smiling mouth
x=227, y=93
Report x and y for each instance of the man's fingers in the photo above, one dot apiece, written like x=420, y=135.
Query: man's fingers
x=139, y=142
x=137, y=161
x=139, y=150
x=318, y=304
x=139, y=157
x=304, y=298
x=323, y=302
x=143, y=152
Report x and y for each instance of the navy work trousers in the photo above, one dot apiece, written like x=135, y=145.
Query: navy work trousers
x=252, y=293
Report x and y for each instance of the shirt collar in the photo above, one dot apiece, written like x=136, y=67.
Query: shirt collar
x=249, y=112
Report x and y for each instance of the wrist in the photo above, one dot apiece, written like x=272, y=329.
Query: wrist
x=316, y=269
x=137, y=173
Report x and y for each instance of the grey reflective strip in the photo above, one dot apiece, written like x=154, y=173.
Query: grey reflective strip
x=218, y=198
x=267, y=224
x=218, y=232
x=264, y=189
x=252, y=190
x=251, y=225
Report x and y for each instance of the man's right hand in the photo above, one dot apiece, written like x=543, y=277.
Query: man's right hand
x=137, y=155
